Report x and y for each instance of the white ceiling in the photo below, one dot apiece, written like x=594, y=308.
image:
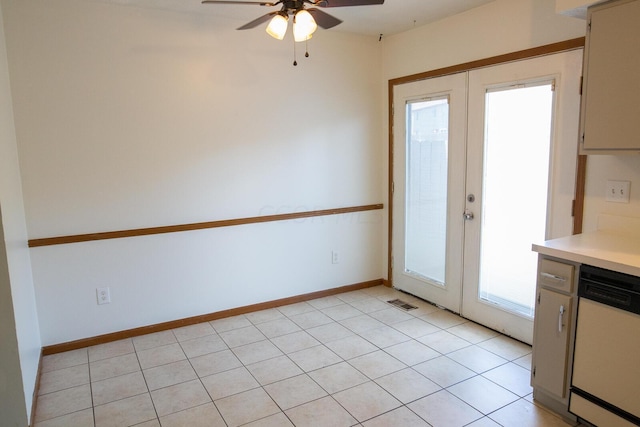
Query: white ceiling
x=394, y=16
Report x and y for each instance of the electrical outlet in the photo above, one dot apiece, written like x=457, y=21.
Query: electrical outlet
x=335, y=257
x=618, y=191
x=104, y=295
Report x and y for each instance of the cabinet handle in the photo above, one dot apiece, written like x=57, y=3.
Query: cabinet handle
x=560, y=318
x=553, y=277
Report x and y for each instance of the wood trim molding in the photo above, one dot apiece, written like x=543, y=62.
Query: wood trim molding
x=578, y=202
x=49, y=241
x=130, y=333
x=558, y=47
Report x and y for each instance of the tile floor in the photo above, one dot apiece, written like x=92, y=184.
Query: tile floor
x=345, y=360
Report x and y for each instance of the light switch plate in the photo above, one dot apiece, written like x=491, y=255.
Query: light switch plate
x=618, y=191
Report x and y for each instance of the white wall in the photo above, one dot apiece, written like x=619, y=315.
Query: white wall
x=131, y=118
x=617, y=168
x=19, y=333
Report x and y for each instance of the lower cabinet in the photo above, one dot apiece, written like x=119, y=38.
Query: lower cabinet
x=553, y=337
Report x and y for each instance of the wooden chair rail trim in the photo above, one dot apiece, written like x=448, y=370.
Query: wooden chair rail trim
x=49, y=241
x=130, y=333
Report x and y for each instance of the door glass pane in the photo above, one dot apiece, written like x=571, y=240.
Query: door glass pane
x=426, y=187
x=516, y=175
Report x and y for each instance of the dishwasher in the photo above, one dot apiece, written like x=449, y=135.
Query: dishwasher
x=605, y=385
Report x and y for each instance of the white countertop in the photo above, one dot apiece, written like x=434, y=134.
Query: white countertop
x=613, y=251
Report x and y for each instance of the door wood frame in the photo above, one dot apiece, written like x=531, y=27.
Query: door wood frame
x=549, y=49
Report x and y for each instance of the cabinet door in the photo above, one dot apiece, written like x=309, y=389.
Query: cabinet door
x=551, y=341
x=611, y=96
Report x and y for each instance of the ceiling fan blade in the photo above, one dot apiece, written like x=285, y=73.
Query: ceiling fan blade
x=323, y=19
x=256, y=22
x=343, y=3
x=260, y=3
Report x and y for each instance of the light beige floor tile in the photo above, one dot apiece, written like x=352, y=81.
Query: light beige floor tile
x=272, y=370
x=114, y=366
x=242, y=336
x=263, y=316
x=150, y=423
x=341, y=312
x=193, y=331
x=199, y=416
x=278, y=327
x=525, y=414
x=477, y=359
x=111, y=349
x=442, y=409
x=524, y=362
x=64, y=378
x=321, y=412
x=213, y=363
x=330, y=332
x=443, y=319
x=398, y=417
x=506, y=347
x=408, y=385
x=391, y=315
x=117, y=388
x=314, y=358
x=63, y=402
x=160, y=355
x=230, y=323
x=325, y=302
x=416, y=328
x=154, y=340
x=246, y=407
x=351, y=347
x=412, y=352
x=444, y=371
x=125, y=412
x=82, y=418
x=514, y=378
x=366, y=401
x=384, y=337
x=295, y=342
x=484, y=422
x=179, y=397
x=294, y=391
x=444, y=342
x=297, y=308
x=377, y=364
x=311, y=319
x=169, y=374
x=369, y=304
x=230, y=382
x=423, y=309
x=67, y=359
x=382, y=291
x=473, y=332
x=277, y=420
x=352, y=296
x=362, y=323
x=482, y=394
x=338, y=377
x=256, y=352
x=204, y=345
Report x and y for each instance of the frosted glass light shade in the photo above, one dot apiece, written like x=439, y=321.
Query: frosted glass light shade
x=277, y=27
x=303, y=26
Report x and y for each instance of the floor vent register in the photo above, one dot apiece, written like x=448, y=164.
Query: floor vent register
x=401, y=304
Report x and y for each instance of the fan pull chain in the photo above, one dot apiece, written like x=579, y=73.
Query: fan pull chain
x=306, y=48
x=295, y=63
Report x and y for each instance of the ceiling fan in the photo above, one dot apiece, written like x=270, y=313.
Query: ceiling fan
x=305, y=21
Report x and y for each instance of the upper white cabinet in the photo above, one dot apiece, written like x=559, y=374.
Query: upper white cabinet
x=610, y=117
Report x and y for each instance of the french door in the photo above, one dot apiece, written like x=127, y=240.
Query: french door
x=484, y=166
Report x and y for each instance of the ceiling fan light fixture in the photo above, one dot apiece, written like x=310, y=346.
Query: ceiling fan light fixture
x=277, y=27
x=303, y=25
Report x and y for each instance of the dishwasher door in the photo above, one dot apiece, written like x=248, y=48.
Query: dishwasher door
x=606, y=366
